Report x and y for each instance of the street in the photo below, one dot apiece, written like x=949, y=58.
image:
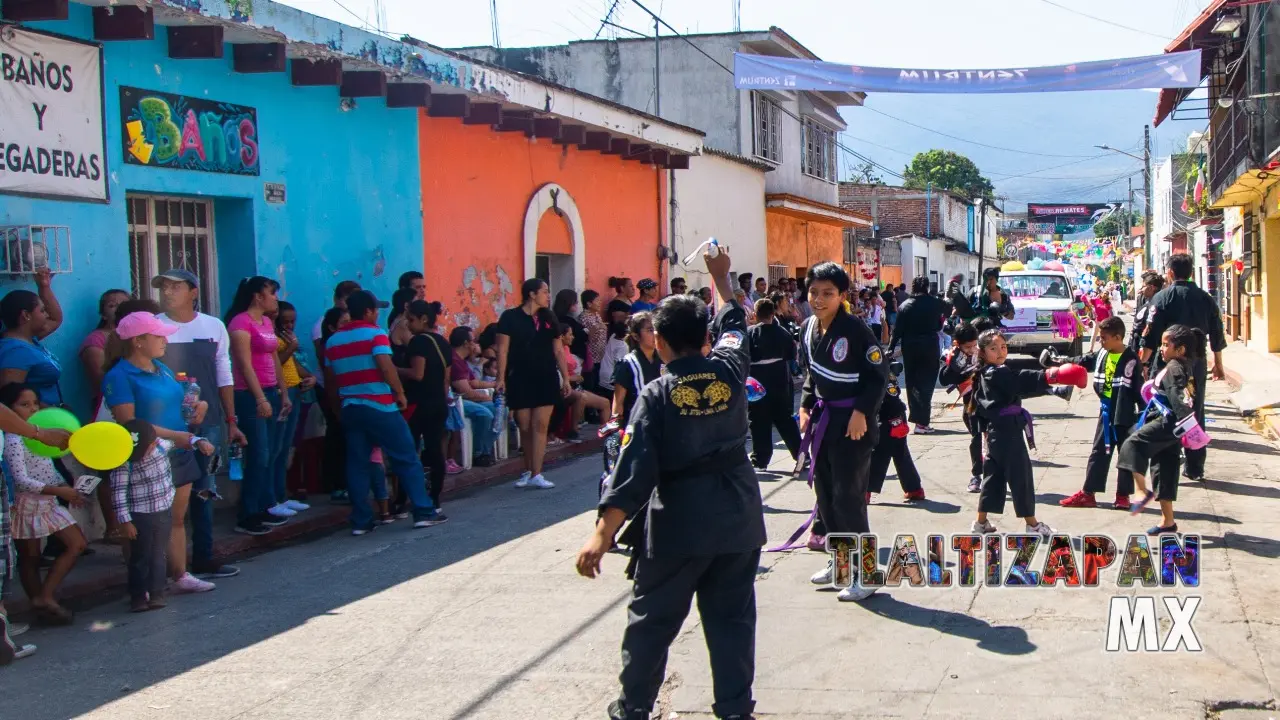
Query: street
x=485, y=617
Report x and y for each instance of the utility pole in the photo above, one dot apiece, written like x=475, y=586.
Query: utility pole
x=657, y=68
x=1128, y=215
x=982, y=237
x=1146, y=181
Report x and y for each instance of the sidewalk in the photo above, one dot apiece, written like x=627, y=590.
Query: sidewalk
x=1255, y=380
x=103, y=572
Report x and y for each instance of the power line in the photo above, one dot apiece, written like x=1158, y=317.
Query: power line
x=971, y=142
x=1104, y=20
x=607, y=17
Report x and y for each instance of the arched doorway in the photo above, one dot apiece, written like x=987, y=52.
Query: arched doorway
x=554, y=245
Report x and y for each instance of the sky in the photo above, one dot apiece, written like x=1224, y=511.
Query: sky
x=1035, y=147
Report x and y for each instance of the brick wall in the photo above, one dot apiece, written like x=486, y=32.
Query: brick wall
x=899, y=210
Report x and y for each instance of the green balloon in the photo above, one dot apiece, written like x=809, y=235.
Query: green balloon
x=51, y=419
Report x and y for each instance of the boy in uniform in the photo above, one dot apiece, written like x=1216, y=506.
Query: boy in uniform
x=684, y=453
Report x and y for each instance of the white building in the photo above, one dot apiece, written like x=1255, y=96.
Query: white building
x=716, y=197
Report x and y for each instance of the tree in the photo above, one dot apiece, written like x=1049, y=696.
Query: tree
x=947, y=170
x=1113, y=224
x=865, y=173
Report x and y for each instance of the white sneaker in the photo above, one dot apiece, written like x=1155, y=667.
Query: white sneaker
x=541, y=483
x=1040, y=529
x=923, y=430
x=524, y=480
x=823, y=577
x=853, y=593
x=296, y=506
x=280, y=511
x=982, y=528
x=189, y=583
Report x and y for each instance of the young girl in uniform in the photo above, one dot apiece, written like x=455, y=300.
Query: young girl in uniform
x=1157, y=443
x=893, y=445
x=998, y=395
x=958, y=372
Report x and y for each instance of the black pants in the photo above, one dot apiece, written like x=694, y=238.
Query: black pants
x=920, y=363
x=1196, y=458
x=427, y=426
x=1007, y=470
x=148, y=555
x=1099, y=467
x=334, y=459
x=775, y=409
x=1153, y=449
x=664, y=588
x=975, y=445
x=841, y=472
x=893, y=449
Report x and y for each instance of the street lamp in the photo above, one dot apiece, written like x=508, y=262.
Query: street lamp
x=1116, y=150
x=1146, y=181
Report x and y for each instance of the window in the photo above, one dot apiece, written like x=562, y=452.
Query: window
x=767, y=121
x=921, y=267
x=777, y=273
x=850, y=246
x=167, y=233
x=818, y=144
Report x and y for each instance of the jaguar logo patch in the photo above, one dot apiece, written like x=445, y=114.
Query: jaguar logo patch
x=840, y=350
x=874, y=356
x=626, y=437
x=712, y=399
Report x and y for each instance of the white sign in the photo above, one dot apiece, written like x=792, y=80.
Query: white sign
x=51, y=138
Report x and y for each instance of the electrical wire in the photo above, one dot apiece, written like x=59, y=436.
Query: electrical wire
x=971, y=142
x=1104, y=20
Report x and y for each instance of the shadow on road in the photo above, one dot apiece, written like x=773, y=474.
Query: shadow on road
x=1252, y=544
x=1000, y=639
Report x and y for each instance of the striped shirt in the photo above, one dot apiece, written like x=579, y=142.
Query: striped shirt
x=145, y=486
x=351, y=354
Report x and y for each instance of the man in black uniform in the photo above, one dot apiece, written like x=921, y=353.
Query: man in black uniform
x=772, y=352
x=919, y=322
x=684, y=453
x=1152, y=283
x=845, y=384
x=991, y=300
x=1182, y=303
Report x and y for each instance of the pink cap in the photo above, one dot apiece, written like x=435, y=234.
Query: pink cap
x=141, y=323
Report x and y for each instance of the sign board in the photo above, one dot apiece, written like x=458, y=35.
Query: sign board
x=1024, y=320
x=186, y=133
x=274, y=193
x=1068, y=219
x=1011, y=250
x=1042, y=228
x=51, y=121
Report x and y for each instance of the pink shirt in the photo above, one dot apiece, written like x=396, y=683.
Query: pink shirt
x=262, y=348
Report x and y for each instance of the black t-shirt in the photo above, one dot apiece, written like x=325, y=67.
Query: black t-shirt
x=436, y=351
x=616, y=305
x=579, y=346
x=530, y=345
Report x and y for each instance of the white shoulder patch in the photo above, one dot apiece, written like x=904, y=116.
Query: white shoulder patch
x=731, y=340
x=1130, y=367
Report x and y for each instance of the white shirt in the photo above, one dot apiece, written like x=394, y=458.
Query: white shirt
x=614, y=351
x=206, y=327
x=875, y=315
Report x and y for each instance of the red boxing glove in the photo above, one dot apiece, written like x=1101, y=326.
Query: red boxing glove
x=1068, y=374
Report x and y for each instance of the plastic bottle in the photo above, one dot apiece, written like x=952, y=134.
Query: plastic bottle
x=235, y=463
x=190, y=396
x=499, y=412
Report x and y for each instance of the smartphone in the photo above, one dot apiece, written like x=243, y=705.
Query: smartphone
x=86, y=484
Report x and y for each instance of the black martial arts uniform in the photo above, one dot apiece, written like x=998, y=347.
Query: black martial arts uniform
x=998, y=397
x=1118, y=387
x=684, y=453
x=1154, y=445
x=1182, y=303
x=893, y=445
x=631, y=373
x=959, y=371
x=773, y=350
x=1139, y=326
x=847, y=372
x=920, y=320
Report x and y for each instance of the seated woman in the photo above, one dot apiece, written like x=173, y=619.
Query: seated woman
x=579, y=400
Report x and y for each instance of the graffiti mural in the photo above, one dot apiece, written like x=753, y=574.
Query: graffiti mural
x=186, y=133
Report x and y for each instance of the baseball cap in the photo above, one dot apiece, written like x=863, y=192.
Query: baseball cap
x=647, y=284
x=176, y=275
x=141, y=323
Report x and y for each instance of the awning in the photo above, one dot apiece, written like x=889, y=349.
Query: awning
x=814, y=211
x=1194, y=35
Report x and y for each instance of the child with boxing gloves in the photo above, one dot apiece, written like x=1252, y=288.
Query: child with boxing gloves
x=998, y=395
x=958, y=372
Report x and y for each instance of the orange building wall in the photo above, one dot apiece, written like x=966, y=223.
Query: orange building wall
x=476, y=187
x=799, y=243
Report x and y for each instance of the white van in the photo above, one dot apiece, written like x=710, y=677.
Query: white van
x=1037, y=295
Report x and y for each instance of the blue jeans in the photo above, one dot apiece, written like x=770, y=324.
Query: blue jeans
x=366, y=428
x=481, y=416
x=283, y=444
x=257, y=492
x=202, y=510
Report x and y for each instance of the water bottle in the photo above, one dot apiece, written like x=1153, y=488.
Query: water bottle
x=499, y=412
x=190, y=396
x=235, y=463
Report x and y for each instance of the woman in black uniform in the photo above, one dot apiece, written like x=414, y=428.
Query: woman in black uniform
x=530, y=335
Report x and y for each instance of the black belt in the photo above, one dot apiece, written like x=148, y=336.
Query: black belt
x=722, y=461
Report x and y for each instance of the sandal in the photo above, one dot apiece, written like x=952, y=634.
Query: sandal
x=139, y=606
x=54, y=616
x=1142, y=504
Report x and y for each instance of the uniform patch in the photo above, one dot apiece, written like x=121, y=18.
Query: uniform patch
x=731, y=340
x=717, y=392
x=840, y=350
x=1128, y=369
x=626, y=437
x=685, y=397
x=874, y=356
x=893, y=389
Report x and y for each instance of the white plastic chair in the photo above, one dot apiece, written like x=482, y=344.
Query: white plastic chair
x=468, y=437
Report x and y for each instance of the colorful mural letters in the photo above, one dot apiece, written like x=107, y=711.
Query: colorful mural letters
x=186, y=133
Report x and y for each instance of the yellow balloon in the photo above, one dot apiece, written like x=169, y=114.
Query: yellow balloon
x=102, y=445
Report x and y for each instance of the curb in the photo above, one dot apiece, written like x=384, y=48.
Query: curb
x=323, y=520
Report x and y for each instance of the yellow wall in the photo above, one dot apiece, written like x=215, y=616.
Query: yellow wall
x=1265, y=310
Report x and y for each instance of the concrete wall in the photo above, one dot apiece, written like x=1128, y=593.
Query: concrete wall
x=934, y=251
x=723, y=199
x=695, y=92
x=477, y=184
x=798, y=243
x=352, y=207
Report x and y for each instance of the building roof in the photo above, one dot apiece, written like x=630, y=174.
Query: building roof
x=757, y=164
x=815, y=211
x=309, y=38
x=1198, y=34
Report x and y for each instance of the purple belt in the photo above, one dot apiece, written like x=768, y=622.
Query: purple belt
x=809, y=445
x=1016, y=410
